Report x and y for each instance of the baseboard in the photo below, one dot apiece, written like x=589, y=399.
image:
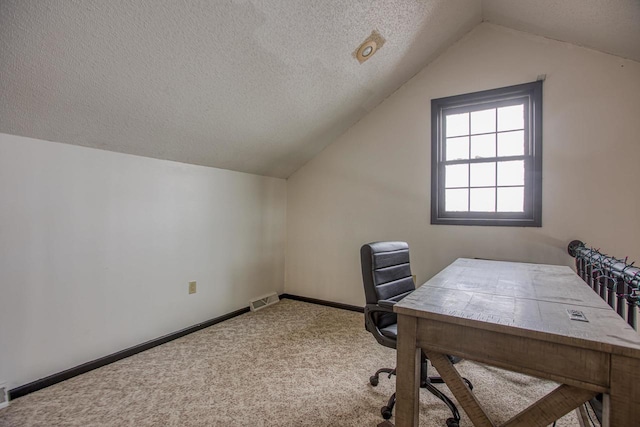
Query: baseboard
x=94, y=364
x=323, y=302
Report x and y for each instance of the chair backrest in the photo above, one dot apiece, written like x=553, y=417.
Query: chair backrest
x=386, y=274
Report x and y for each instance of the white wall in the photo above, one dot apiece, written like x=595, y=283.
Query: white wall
x=373, y=183
x=97, y=248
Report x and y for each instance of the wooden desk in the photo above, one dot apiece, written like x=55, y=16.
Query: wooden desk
x=514, y=316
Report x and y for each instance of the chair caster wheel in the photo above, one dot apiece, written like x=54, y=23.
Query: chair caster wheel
x=386, y=412
x=452, y=422
x=373, y=380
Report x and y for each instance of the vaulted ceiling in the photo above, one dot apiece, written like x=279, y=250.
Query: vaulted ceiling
x=258, y=86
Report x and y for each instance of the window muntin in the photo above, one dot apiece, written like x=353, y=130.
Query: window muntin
x=486, y=166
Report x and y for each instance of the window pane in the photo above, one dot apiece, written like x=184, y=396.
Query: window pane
x=510, y=118
x=483, y=175
x=511, y=143
x=456, y=176
x=457, y=124
x=511, y=173
x=486, y=162
x=483, y=146
x=483, y=121
x=483, y=200
x=457, y=148
x=456, y=200
x=511, y=199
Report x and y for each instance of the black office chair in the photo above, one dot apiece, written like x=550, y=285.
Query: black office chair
x=387, y=279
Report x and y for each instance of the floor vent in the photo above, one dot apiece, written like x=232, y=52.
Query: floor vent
x=263, y=301
x=4, y=395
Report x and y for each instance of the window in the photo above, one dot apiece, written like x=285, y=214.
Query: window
x=486, y=157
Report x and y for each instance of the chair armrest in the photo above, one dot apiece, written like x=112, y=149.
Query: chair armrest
x=387, y=303
x=369, y=311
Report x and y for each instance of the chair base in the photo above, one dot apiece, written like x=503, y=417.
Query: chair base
x=374, y=379
x=427, y=383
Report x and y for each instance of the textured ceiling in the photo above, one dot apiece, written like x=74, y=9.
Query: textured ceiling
x=611, y=26
x=258, y=86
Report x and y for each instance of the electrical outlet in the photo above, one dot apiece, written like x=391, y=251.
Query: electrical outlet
x=192, y=287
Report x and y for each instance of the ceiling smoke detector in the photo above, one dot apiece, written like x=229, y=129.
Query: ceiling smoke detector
x=369, y=47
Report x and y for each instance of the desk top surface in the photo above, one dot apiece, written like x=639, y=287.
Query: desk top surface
x=522, y=299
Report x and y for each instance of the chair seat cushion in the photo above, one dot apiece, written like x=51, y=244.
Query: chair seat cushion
x=390, y=331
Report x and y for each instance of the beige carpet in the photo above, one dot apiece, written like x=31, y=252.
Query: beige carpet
x=291, y=364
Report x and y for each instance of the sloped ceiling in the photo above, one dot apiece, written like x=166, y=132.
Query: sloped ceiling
x=611, y=26
x=258, y=86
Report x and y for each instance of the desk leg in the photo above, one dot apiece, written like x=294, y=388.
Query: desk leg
x=407, y=373
x=465, y=397
x=622, y=406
